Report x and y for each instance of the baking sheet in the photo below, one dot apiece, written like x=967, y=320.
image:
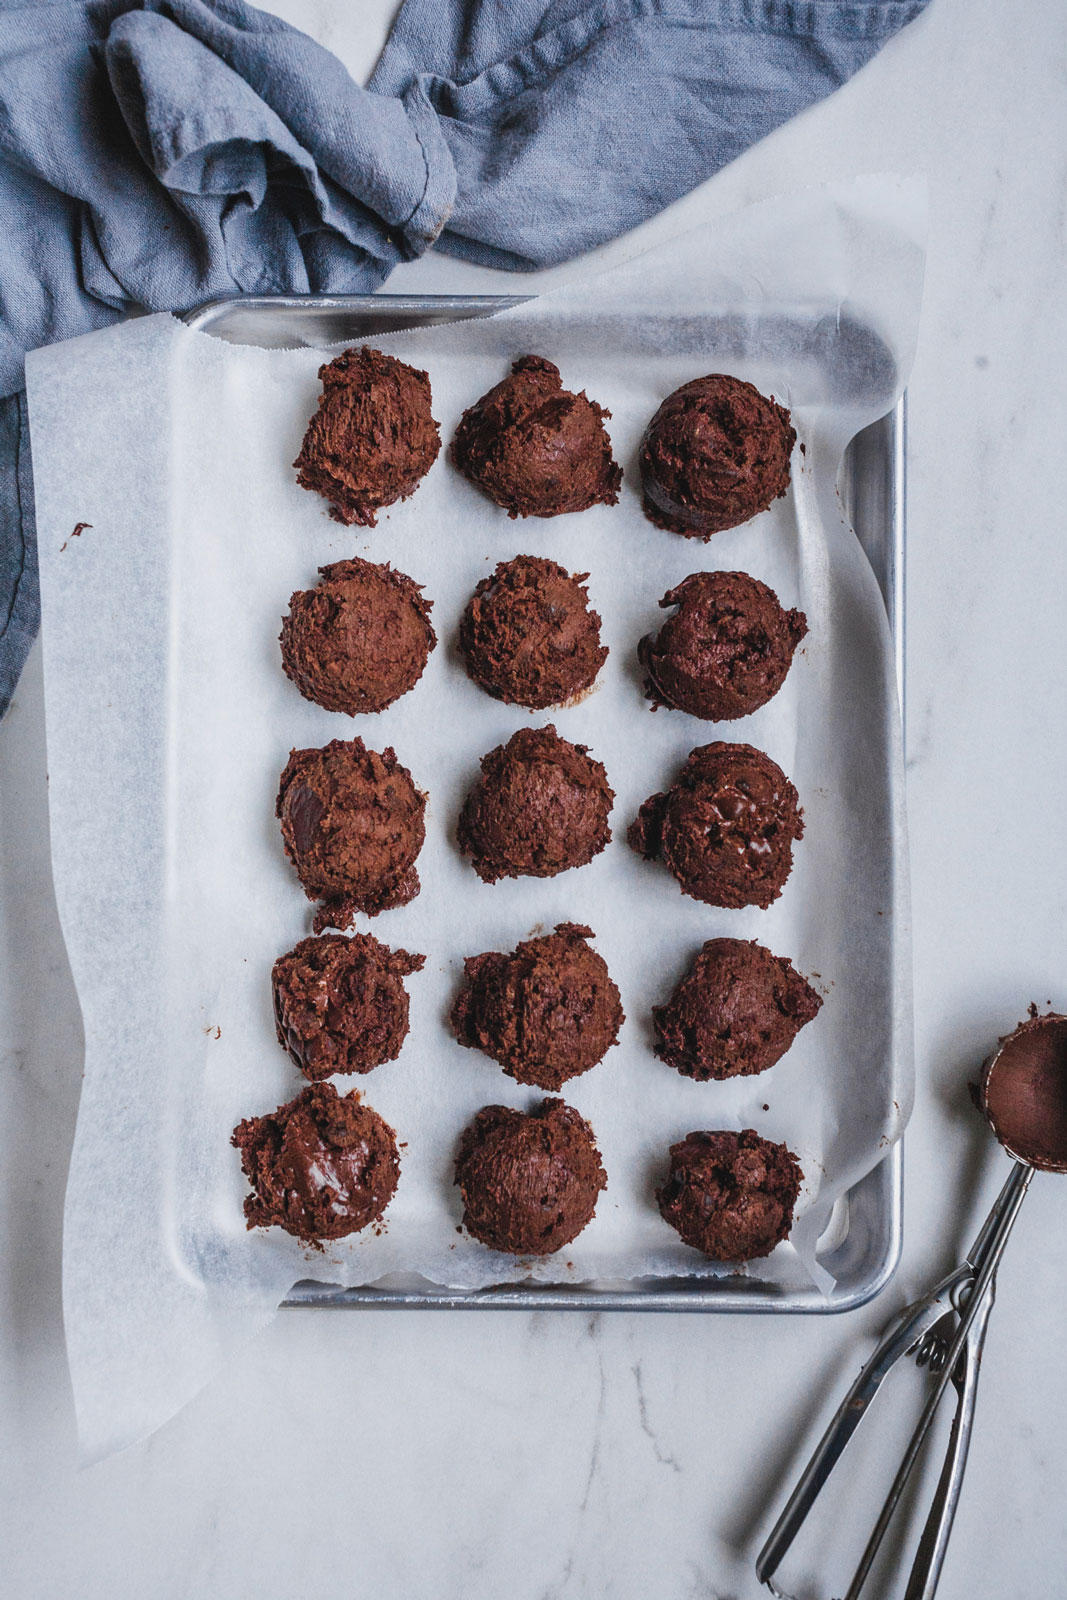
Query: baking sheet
x=170, y=719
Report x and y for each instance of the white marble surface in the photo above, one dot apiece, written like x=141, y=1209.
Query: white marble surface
x=426, y=1456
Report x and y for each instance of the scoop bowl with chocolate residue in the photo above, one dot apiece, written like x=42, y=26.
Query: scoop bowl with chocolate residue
x=1023, y=1092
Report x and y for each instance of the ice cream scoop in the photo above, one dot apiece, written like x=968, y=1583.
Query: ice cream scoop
x=1023, y=1092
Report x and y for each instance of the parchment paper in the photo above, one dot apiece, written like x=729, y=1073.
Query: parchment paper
x=169, y=721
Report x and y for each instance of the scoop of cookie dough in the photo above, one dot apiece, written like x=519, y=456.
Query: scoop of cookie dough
x=725, y=828
x=373, y=437
x=528, y=635
x=736, y=1011
x=730, y=1195
x=540, y=807
x=716, y=452
x=536, y=448
x=340, y=1004
x=726, y=650
x=360, y=639
x=322, y=1166
x=352, y=825
x=529, y=1181
x=546, y=1012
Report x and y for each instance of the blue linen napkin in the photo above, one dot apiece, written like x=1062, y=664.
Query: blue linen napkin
x=158, y=153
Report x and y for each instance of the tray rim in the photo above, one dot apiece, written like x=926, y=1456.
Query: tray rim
x=731, y=1293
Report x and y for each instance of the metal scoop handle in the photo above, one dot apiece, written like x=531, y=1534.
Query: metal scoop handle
x=965, y=1298
x=930, y=1556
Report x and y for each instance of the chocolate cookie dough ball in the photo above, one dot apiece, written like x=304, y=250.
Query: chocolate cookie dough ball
x=540, y=807
x=547, y=1012
x=730, y=1195
x=726, y=650
x=529, y=1180
x=528, y=636
x=359, y=640
x=716, y=452
x=726, y=828
x=352, y=825
x=322, y=1166
x=340, y=1004
x=536, y=448
x=736, y=1012
x=373, y=437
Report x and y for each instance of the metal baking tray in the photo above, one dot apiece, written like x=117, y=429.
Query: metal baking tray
x=861, y=1245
